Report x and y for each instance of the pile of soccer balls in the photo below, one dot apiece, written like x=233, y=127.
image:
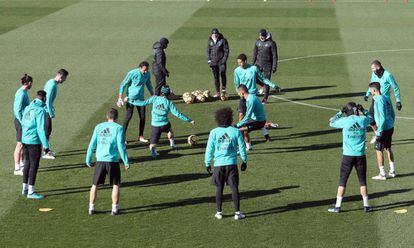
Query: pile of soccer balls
x=196, y=96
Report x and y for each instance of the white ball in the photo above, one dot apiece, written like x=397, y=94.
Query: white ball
x=192, y=140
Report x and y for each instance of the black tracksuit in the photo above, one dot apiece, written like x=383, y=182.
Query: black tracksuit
x=217, y=54
x=265, y=58
x=159, y=67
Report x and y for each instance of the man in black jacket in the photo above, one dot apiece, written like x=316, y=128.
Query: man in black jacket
x=159, y=63
x=265, y=57
x=217, y=54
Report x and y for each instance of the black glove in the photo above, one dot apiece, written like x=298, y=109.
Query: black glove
x=399, y=106
x=366, y=98
x=274, y=70
x=278, y=89
x=243, y=166
x=208, y=169
x=46, y=150
x=360, y=108
x=378, y=138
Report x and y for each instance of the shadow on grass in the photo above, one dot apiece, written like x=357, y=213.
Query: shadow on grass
x=326, y=202
x=200, y=200
x=305, y=88
x=313, y=147
x=156, y=181
x=62, y=167
x=331, y=96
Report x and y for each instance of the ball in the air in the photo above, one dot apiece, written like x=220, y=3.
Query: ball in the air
x=192, y=140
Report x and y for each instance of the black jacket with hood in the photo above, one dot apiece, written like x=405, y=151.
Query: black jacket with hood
x=217, y=52
x=160, y=60
x=265, y=54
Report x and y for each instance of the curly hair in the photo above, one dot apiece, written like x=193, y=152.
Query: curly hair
x=224, y=116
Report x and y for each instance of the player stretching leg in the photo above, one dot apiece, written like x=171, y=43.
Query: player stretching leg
x=33, y=138
x=108, y=140
x=51, y=91
x=384, y=117
x=387, y=81
x=21, y=101
x=354, y=129
x=223, y=144
x=249, y=75
x=161, y=107
x=134, y=84
x=255, y=118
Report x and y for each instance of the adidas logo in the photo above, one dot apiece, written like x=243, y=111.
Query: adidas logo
x=224, y=138
x=355, y=127
x=105, y=133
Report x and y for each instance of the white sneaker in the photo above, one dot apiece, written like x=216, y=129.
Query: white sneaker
x=218, y=215
x=373, y=140
x=239, y=216
x=392, y=174
x=18, y=172
x=49, y=155
x=380, y=177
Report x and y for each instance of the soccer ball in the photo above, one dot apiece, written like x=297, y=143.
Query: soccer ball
x=192, y=140
x=206, y=94
x=188, y=98
x=223, y=96
x=200, y=97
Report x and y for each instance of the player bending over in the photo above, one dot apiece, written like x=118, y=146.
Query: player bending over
x=255, y=117
x=354, y=129
x=21, y=101
x=109, y=142
x=33, y=138
x=223, y=144
x=161, y=107
x=384, y=118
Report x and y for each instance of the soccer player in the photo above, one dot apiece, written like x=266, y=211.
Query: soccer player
x=354, y=127
x=217, y=54
x=384, y=118
x=387, y=81
x=161, y=107
x=159, y=64
x=265, y=57
x=108, y=140
x=33, y=138
x=51, y=91
x=134, y=83
x=255, y=117
x=21, y=101
x=224, y=143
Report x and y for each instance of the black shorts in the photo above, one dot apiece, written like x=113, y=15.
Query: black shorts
x=254, y=125
x=18, y=127
x=157, y=131
x=371, y=112
x=111, y=169
x=360, y=164
x=385, y=140
x=227, y=174
x=242, y=106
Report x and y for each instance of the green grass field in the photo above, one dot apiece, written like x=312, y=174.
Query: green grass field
x=169, y=202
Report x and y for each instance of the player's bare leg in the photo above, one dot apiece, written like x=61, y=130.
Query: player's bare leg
x=115, y=199
x=92, y=197
x=18, y=159
x=380, y=162
x=390, y=155
x=170, y=136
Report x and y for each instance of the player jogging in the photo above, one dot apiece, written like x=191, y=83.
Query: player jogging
x=224, y=143
x=161, y=107
x=33, y=138
x=108, y=140
x=254, y=118
x=354, y=127
x=51, y=91
x=21, y=101
x=133, y=84
x=384, y=118
x=387, y=81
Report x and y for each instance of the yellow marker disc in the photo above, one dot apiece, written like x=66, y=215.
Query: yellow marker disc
x=45, y=209
x=401, y=211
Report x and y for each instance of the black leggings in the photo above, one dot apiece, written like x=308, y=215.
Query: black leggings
x=48, y=126
x=32, y=154
x=267, y=73
x=128, y=116
x=234, y=195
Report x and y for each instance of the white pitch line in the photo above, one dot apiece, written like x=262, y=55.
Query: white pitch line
x=337, y=54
